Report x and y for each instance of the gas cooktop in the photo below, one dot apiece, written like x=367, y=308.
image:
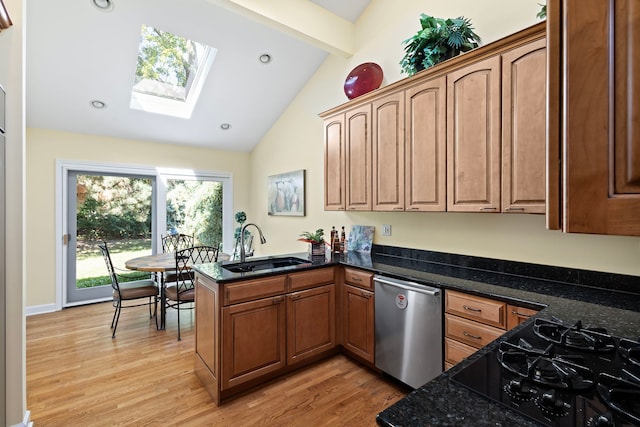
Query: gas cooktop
x=562, y=375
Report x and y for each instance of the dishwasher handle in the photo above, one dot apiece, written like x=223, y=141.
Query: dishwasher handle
x=411, y=286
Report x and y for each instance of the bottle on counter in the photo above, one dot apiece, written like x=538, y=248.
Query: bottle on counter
x=343, y=240
x=333, y=235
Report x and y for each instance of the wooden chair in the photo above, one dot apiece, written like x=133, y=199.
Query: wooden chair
x=183, y=292
x=128, y=291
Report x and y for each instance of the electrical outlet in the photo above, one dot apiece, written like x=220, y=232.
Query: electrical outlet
x=386, y=229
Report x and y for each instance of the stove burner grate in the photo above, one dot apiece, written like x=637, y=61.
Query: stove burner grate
x=575, y=336
x=620, y=395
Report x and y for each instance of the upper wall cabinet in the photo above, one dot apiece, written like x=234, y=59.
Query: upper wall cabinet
x=594, y=120
x=388, y=152
x=473, y=137
x=436, y=141
x=426, y=146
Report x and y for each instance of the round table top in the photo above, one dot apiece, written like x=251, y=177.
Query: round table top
x=153, y=263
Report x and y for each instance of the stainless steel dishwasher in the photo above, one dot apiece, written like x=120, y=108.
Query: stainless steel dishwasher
x=408, y=330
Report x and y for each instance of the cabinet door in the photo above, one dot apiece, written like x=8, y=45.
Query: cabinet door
x=426, y=146
x=524, y=128
x=253, y=340
x=358, y=327
x=473, y=137
x=311, y=323
x=594, y=67
x=358, y=158
x=388, y=153
x=334, y=163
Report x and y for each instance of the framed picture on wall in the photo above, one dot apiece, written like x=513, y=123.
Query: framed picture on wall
x=285, y=193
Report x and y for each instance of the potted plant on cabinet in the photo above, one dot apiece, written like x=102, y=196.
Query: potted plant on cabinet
x=438, y=40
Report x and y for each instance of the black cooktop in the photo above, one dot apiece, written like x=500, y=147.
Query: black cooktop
x=562, y=375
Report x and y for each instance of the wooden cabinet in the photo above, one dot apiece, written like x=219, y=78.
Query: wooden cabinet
x=358, y=333
x=426, y=146
x=473, y=137
x=524, y=116
x=471, y=322
x=311, y=323
x=594, y=125
x=250, y=331
x=334, y=163
x=517, y=315
x=358, y=305
x=388, y=153
x=358, y=158
x=253, y=340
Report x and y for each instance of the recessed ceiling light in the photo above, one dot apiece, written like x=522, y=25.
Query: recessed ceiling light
x=98, y=104
x=225, y=126
x=265, y=58
x=103, y=5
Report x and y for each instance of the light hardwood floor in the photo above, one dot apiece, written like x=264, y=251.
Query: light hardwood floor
x=77, y=375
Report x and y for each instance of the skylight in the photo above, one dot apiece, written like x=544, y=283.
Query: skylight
x=170, y=73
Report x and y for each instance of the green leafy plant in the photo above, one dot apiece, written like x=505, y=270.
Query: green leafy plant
x=317, y=237
x=438, y=40
x=543, y=11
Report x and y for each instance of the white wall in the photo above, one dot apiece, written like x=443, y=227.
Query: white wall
x=12, y=79
x=295, y=142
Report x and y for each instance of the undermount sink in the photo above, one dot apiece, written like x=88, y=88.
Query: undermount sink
x=263, y=264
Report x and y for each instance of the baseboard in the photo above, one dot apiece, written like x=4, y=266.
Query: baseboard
x=40, y=309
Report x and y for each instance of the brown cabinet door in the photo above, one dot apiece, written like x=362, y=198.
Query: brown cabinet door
x=358, y=158
x=358, y=327
x=594, y=97
x=311, y=323
x=426, y=146
x=253, y=340
x=524, y=128
x=388, y=153
x=473, y=137
x=334, y=163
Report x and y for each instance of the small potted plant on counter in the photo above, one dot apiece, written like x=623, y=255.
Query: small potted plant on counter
x=316, y=240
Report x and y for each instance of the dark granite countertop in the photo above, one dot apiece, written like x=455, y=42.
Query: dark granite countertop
x=607, y=300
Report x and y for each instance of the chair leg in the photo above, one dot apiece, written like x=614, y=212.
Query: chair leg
x=116, y=317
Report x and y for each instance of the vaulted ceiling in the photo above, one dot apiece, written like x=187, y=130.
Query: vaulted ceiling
x=77, y=53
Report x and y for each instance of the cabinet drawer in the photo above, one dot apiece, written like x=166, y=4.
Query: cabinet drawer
x=517, y=315
x=359, y=278
x=472, y=333
x=254, y=289
x=309, y=279
x=455, y=351
x=476, y=308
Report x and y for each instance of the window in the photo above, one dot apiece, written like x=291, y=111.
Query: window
x=170, y=73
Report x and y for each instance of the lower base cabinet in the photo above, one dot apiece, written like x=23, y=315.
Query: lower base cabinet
x=253, y=340
x=358, y=322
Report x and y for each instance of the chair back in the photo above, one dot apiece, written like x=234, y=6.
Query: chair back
x=176, y=242
x=107, y=259
x=185, y=258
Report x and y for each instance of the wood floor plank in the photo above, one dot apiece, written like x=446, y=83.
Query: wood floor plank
x=78, y=375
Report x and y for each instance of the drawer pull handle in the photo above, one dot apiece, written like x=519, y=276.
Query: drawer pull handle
x=356, y=279
x=365, y=295
x=477, y=310
x=520, y=314
x=515, y=209
x=467, y=334
x=294, y=296
x=277, y=300
x=488, y=209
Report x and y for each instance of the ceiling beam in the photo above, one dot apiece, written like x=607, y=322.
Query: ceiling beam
x=301, y=19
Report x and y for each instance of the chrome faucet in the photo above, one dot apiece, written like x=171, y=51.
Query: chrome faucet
x=243, y=255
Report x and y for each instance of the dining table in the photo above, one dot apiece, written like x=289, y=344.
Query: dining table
x=156, y=263
x=160, y=264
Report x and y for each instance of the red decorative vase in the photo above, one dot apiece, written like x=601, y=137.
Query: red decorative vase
x=362, y=79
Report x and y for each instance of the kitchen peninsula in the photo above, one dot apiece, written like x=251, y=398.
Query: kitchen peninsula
x=608, y=300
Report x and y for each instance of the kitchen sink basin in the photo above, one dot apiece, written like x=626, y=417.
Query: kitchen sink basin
x=263, y=264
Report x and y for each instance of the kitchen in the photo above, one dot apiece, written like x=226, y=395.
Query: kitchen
x=296, y=138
